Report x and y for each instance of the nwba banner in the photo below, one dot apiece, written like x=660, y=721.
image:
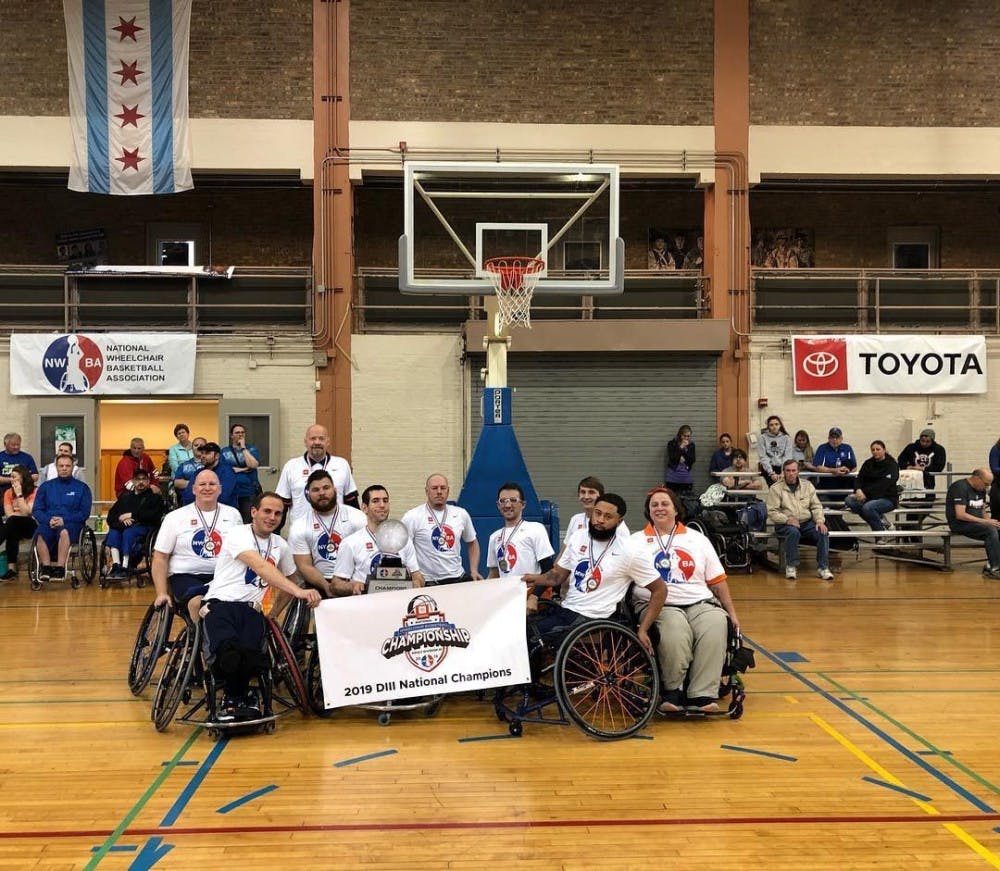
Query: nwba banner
x=889, y=364
x=101, y=363
x=406, y=643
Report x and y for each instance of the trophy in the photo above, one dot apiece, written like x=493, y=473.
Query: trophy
x=390, y=573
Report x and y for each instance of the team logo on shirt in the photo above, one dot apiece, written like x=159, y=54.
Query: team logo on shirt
x=443, y=538
x=328, y=545
x=206, y=545
x=585, y=580
x=376, y=561
x=251, y=577
x=668, y=565
x=506, y=557
x=425, y=635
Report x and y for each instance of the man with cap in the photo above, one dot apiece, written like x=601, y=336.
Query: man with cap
x=836, y=458
x=134, y=513
x=926, y=455
x=207, y=457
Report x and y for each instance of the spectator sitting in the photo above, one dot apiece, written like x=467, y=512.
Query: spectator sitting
x=658, y=257
x=11, y=456
x=797, y=514
x=995, y=487
x=876, y=491
x=63, y=449
x=722, y=458
x=132, y=516
x=926, y=455
x=18, y=525
x=695, y=258
x=61, y=508
x=802, y=451
x=774, y=448
x=837, y=458
x=754, y=514
x=135, y=458
x=182, y=451
x=964, y=508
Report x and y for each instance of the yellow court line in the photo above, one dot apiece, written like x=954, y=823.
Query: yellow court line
x=791, y=700
x=929, y=809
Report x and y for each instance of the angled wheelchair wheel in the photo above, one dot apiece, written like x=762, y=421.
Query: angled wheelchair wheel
x=86, y=556
x=174, y=678
x=285, y=672
x=314, y=685
x=605, y=681
x=33, y=569
x=149, y=643
x=295, y=626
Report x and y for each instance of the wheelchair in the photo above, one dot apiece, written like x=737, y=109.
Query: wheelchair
x=187, y=678
x=81, y=565
x=729, y=536
x=140, y=562
x=596, y=673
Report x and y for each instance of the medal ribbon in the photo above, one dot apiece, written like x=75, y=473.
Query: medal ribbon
x=333, y=522
x=665, y=548
x=593, y=565
x=438, y=523
x=208, y=529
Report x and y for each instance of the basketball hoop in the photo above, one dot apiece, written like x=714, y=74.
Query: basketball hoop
x=514, y=279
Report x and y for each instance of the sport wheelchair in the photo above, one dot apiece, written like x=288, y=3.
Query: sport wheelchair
x=187, y=678
x=140, y=562
x=81, y=565
x=598, y=675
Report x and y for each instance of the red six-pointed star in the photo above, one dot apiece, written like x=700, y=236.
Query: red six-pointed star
x=130, y=159
x=127, y=29
x=130, y=115
x=129, y=72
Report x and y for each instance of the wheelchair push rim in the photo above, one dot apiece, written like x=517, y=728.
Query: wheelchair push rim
x=149, y=643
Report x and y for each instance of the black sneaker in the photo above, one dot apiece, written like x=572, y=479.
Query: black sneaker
x=8, y=575
x=227, y=710
x=45, y=573
x=57, y=572
x=118, y=573
x=703, y=705
x=248, y=708
x=672, y=702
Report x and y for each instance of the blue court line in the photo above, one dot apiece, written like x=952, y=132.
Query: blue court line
x=780, y=756
x=182, y=762
x=899, y=789
x=188, y=792
x=250, y=796
x=790, y=656
x=118, y=848
x=957, y=788
x=485, y=738
x=365, y=758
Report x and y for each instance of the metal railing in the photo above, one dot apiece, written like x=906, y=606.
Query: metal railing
x=379, y=304
x=877, y=300
x=255, y=300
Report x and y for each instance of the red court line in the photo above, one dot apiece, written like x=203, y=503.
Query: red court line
x=174, y=831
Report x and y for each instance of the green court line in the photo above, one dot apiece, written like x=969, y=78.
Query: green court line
x=982, y=781
x=141, y=803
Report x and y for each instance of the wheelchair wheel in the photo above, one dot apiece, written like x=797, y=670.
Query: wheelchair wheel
x=295, y=626
x=86, y=556
x=605, y=681
x=314, y=685
x=284, y=669
x=149, y=643
x=103, y=564
x=175, y=677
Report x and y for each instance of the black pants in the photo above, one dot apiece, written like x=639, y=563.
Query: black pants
x=14, y=530
x=234, y=638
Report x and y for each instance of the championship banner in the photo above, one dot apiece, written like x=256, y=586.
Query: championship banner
x=101, y=363
x=405, y=643
x=889, y=364
x=128, y=95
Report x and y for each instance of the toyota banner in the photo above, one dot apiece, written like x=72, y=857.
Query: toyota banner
x=889, y=364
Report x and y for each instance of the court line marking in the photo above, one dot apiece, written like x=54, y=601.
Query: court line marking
x=486, y=738
x=116, y=833
x=356, y=759
x=250, y=796
x=947, y=756
x=900, y=789
x=768, y=753
x=955, y=787
x=973, y=844
x=196, y=780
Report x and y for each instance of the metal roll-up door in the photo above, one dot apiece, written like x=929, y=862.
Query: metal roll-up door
x=604, y=415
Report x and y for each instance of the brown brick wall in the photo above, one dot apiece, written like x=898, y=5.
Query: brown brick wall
x=561, y=61
x=249, y=59
x=851, y=227
x=249, y=228
x=919, y=63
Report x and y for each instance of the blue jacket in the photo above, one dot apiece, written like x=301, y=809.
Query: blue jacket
x=67, y=498
x=246, y=482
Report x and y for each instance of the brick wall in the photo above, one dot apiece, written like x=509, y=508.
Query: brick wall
x=916, y=63
x=249, y=59
x=851, y=227
x=249, y=227
x=562, y=61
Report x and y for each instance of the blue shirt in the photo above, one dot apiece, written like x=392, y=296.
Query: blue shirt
x=247, y=482
x=8, y=461
x=227, y=480
x=834, y=458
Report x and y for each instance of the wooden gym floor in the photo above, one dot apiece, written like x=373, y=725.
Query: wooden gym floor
x=868, y=742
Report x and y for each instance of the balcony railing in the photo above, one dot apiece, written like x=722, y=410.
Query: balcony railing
x=380, y=305
x=877, y=300
x=255, y=300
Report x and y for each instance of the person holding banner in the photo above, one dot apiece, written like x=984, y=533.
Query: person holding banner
x=316, y=538
x=252, y=559
x=437, y=531
x=359, y=553
x=599, y=568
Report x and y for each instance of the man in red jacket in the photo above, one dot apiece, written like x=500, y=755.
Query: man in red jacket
x=135, y=458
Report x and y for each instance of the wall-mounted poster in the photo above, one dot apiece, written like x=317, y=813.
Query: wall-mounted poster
x=80, y=249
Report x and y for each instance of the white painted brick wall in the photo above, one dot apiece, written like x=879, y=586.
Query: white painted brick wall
x=963, y=423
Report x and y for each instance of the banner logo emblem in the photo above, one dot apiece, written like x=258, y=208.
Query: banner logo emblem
x=73, y=364
x=425, y=635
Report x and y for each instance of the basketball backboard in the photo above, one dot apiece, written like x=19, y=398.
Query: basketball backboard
x=459, y=215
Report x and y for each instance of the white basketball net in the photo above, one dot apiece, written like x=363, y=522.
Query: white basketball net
x=514, y=279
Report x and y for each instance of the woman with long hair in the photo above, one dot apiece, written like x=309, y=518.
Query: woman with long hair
x=680, y=459
x=18, y=524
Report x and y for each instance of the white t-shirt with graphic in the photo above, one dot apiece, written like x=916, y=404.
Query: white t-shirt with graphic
x=359, y=556
x=579, y=521
x=517, y=550
x=292, y=483
x=194, y=539
x=320, y=535
x=233, y=581
x=437, y=538
x=688, y=564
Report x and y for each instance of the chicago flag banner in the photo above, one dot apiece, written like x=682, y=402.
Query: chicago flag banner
x=128, y=95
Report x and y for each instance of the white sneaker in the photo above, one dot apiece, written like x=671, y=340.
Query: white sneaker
x=888, y=525
x=791, y=573
x=825, y=574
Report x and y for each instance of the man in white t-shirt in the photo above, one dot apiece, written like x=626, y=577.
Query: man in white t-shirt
x=292, y=483
x=252, y=559
x=189, y=542
x=316, y=538
x=587, y=493
x=599, y=567
x=63, y=449
x=519, y=545
x=437, y=531
x=359, y=554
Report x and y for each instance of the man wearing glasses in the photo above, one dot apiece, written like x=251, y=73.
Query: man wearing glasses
x=519, y=546
x=243, y=459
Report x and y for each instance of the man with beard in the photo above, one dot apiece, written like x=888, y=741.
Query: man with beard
x=587, y=493
x=359, y=554
x=132, y=516
x=292, y=483
x=437, y=531
x=599, y=568
x=316, y=537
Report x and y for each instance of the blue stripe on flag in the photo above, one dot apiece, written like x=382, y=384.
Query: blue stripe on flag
x=162, y=49
x=96, y=84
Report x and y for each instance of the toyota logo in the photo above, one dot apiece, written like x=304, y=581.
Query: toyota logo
x=820, y=364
